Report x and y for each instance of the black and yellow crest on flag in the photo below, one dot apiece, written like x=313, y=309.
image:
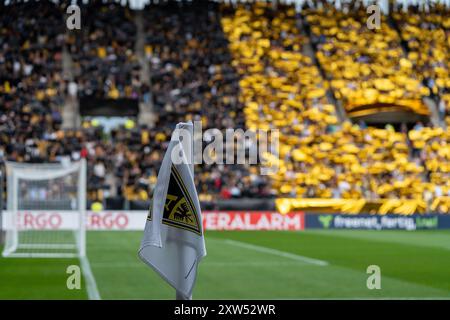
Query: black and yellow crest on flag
x=179, y=210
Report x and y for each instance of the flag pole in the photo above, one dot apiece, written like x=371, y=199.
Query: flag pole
x=178, y=294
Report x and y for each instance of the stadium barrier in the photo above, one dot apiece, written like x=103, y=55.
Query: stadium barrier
x=135, y=220
x=230, y=220
x=377, y=222
x=358, y=206
x=352, y=206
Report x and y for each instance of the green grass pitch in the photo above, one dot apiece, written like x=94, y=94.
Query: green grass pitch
x=253, y=265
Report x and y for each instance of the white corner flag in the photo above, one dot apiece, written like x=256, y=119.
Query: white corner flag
x=173, y=242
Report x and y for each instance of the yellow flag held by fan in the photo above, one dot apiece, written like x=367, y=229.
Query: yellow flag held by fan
x=173, y=242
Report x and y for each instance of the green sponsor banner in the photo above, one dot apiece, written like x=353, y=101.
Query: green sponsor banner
x=377, y=222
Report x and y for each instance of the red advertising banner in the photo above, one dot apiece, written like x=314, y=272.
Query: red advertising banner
x=135, y=220
x=252, y=220
x=116, y=220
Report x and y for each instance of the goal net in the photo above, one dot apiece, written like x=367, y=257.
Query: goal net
x=46, y=207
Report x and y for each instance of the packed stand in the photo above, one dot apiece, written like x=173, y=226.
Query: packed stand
x=103, y=52
x=31, y=81
x=365, y=66
x=282, y=89
x=193, y=79
x=243, y=67
x=426, y=34
x=432, y=147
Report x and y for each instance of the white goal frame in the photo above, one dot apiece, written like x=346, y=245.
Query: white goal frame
x=36, y=172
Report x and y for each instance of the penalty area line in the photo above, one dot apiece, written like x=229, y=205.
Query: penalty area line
x=275, y=252
x=91, y=285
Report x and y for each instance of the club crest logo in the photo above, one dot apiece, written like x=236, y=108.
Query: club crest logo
x=179, y=210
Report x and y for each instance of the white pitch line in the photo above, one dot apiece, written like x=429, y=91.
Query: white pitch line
x=91, y=285
x=279, y=253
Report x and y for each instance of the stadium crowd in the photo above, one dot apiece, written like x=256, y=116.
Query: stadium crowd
x=426, y=34
x=248, y=66
x=32, y=85
x=103, y=52
x=104, y=63
x=365, y=66
x=318, y=159
x=193, y=79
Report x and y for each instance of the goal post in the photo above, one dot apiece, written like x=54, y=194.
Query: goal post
x=46, y=210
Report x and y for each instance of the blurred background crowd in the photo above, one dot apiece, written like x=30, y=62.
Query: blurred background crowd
x=318, y=74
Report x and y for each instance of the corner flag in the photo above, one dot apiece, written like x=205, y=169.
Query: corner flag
x=173, y=242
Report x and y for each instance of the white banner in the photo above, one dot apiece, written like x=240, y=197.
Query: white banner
x=69, y=220
x=135, y=220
